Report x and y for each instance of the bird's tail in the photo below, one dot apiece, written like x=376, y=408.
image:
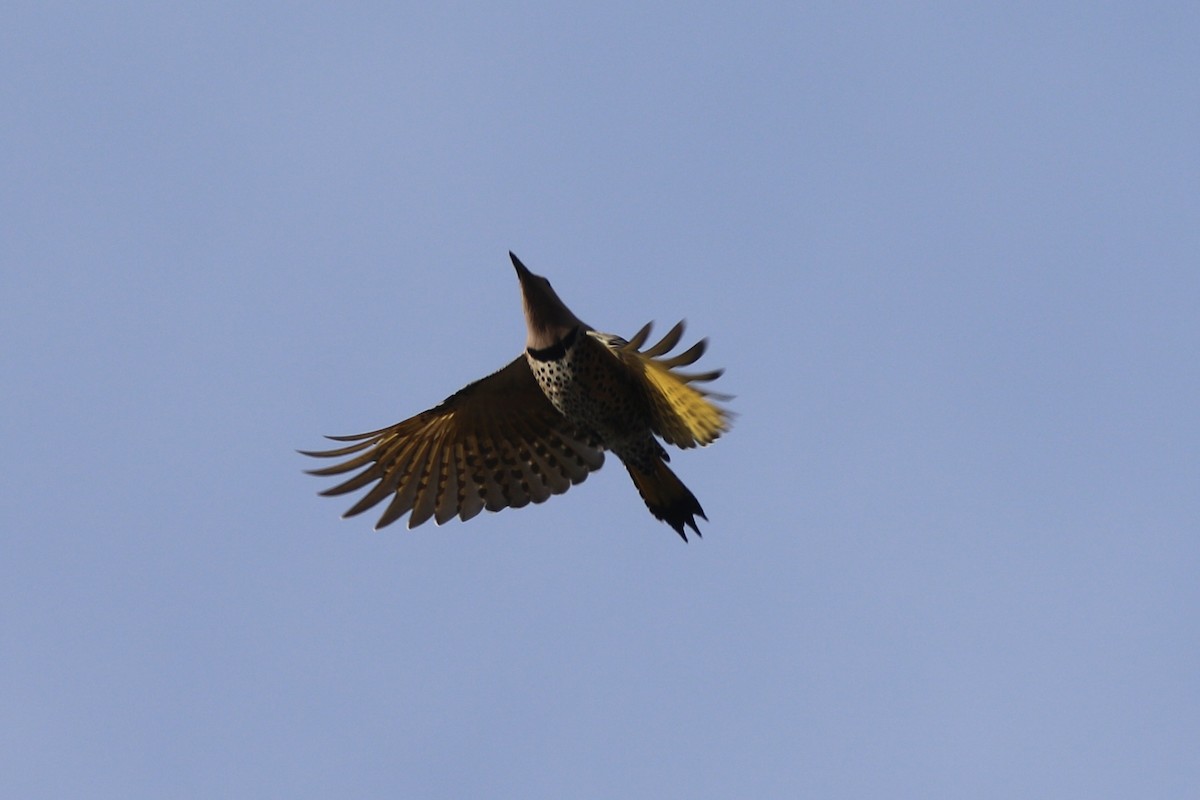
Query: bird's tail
x=667, y=498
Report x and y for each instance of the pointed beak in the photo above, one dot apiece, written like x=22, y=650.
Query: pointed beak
x=522, y=272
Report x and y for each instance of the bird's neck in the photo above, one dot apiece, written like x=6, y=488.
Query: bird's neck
x=556, y=351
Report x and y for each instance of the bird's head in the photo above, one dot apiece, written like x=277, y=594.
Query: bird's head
x=547, y=318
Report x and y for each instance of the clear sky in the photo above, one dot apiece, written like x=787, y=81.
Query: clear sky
x=949, y=254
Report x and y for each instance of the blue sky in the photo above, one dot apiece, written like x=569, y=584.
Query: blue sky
x=948, y=255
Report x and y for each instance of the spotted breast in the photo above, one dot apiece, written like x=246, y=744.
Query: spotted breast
x=590, y=387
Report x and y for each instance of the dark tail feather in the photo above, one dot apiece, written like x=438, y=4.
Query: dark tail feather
x=667, y=498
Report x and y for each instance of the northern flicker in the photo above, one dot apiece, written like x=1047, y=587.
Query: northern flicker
x=541, y=424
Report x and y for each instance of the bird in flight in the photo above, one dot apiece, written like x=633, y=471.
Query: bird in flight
x=539, y=425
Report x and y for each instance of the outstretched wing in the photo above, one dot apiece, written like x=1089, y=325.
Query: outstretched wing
x=682, y=414
x=498, y=443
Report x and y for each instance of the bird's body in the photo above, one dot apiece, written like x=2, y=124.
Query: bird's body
x=541, y=424
x=589, y=387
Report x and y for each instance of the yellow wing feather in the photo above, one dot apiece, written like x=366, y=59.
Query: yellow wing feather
x=681, y=414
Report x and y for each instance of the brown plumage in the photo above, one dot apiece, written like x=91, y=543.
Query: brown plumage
x=540, y=425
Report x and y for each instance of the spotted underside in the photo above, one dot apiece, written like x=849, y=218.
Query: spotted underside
x=591, y=389
x=605, y=384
